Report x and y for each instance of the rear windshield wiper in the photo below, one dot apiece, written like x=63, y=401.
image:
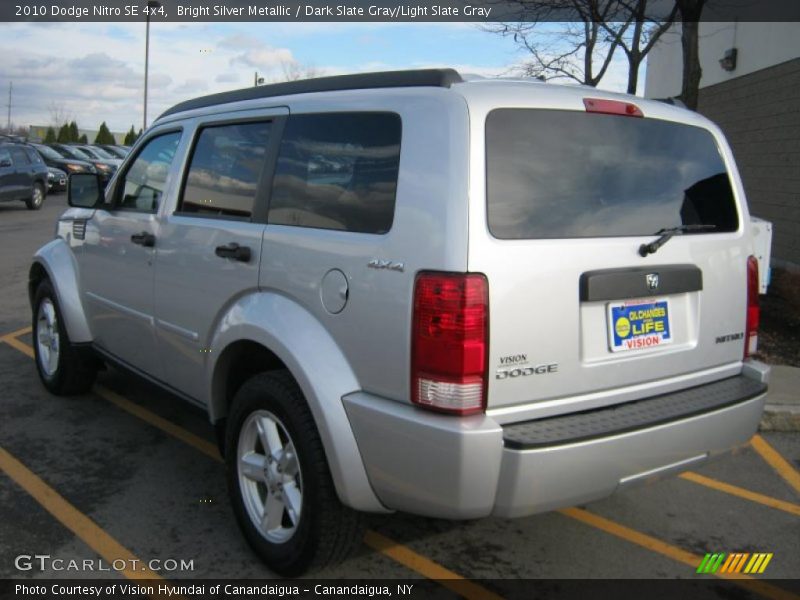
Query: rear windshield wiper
x=666, y=235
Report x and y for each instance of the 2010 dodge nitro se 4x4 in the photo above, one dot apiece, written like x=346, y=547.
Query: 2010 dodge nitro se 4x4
x=409, y=292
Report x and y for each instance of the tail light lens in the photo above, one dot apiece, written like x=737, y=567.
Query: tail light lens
x=753, y=310
x=449, y=347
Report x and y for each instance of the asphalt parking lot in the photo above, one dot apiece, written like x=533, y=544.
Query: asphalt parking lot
x=129, y=471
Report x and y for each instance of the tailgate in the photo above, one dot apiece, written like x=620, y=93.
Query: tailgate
x=575, y=308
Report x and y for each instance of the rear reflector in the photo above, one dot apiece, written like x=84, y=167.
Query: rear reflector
x=612, y=107
x=449, y=345
x=753, y=310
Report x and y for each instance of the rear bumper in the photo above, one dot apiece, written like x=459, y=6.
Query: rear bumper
x=462, y=468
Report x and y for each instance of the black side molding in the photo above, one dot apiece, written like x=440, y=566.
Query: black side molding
x=618, y=284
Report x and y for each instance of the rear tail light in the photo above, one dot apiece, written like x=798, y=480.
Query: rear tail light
x=449, y=346
x=612, y=107
x=753, y=310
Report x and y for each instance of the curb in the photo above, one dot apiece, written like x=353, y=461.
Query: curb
x=779, y=418
x=782, y=411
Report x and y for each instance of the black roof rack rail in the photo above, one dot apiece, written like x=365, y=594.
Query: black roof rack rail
x=358, y=81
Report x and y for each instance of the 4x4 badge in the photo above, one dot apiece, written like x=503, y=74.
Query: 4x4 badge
x=652, y=281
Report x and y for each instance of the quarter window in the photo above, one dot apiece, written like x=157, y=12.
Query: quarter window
x=337, y=171
x=146, y=179
x=225, y=169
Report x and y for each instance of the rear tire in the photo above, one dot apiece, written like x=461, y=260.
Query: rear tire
x=37, y=197
x=279, y=482
x=63, y=368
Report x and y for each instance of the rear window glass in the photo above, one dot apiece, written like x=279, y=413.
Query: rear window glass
x=338, y=171
x=567, y=174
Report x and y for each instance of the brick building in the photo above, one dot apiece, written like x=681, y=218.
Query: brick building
x=751, y=88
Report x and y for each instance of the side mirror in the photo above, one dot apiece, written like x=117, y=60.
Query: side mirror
x=84, y=190
x=5, y=162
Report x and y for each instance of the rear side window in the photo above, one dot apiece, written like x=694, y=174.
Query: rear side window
x=33, y=156
x=337, y=171
x=225, y=168
x=568, y=174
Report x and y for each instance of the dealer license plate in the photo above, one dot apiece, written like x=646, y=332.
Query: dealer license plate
x=638, y=324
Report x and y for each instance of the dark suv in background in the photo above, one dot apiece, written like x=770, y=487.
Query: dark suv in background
x=23, y=175
x=105, y=167
x=68, y=165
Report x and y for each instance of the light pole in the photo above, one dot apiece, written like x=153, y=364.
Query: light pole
x=151, y=4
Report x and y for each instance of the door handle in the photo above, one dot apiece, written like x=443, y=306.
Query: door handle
x=234, y=251
x=148, y=240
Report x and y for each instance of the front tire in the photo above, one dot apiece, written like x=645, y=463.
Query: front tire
x=63, y=369
x=37, y=197
x=279, y=482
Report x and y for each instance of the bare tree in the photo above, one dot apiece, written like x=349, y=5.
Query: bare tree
x=59, y=115
x=577, y=39
x=578, y=49
x=638, y=35
x=690, y=12
x=293, y=70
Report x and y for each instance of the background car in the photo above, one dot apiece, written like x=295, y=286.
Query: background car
x=105, y=168
x=56, y=180
x=23, y=175
x=69, y=165
x=117, y=151
x=98, y=153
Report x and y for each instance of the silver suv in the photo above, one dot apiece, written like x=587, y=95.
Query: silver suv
x=409, y=292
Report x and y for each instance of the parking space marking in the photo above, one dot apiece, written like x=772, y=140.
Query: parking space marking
x=389, y=548
x=17, y=345
x=425, y=566
x=138, y=411
x=16, y=334
x=82, y=526
x=734, y=490
x=678, y=554
x=776, y=461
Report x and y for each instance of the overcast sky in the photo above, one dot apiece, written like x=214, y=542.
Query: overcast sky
x=92, y=72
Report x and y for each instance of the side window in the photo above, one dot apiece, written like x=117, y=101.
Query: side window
x=5, y=157
x=19, y=157
x=146, y=179
x=34, y=156
x=337, y=171
x=224, y=171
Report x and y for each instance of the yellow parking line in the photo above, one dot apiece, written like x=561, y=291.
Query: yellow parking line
x=678, y=554
x=428, y=568
x=733, y=490
x=17, y=345
x=397, y=552
x=82, y=526
x=776, y=461
x=140, y=412
x=15, y=334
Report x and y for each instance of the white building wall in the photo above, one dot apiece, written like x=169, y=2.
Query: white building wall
x=760, y=45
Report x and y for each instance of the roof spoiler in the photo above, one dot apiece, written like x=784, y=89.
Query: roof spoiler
x=359, y=81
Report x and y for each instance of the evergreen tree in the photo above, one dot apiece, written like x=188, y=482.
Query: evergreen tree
x=130, y=137
x=83, y=139
x=63, y=134
x=104, y=136
x=50, y=136
x=74, y=134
